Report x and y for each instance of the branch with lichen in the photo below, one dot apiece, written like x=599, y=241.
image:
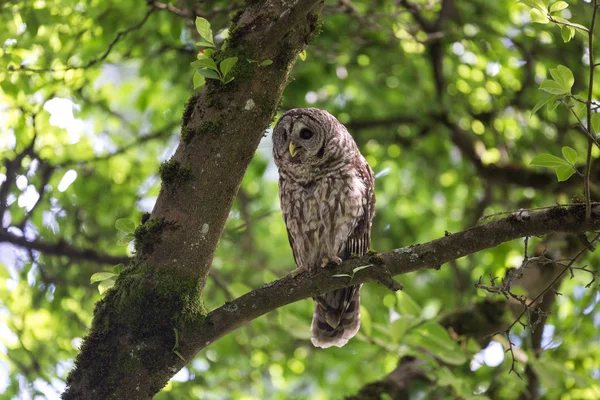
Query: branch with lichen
x=400, y=261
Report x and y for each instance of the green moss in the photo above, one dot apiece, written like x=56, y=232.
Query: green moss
x=211, y=127
x=316, y=23
x=141, y=312
x=187, y=134
x=375, y=259
x=145, y=217
x=149, y=233
x=189, y=109
x=235, y=17
x=172, y=173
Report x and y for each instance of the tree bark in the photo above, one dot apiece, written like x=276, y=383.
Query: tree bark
x=129, y=352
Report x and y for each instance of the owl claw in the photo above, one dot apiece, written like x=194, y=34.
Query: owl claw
x=298, y=271
x=330, y=260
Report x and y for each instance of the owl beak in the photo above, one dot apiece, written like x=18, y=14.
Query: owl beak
x=294, y=149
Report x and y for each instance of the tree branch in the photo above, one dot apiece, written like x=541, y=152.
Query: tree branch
x=62, y=248
x=400, y=261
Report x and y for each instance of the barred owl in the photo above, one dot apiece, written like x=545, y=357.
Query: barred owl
x=326, y=190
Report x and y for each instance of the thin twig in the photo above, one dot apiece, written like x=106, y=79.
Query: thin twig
x=96, y=60
x=590, y=128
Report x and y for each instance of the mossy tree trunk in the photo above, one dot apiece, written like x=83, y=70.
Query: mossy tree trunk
x=128, y=353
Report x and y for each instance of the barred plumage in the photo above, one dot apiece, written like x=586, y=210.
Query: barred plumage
x=326, y=189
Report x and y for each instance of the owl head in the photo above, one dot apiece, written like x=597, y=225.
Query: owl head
x=309, y=138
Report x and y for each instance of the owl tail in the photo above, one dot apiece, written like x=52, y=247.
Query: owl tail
x=336, y=318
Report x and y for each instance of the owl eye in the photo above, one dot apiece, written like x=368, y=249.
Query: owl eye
x=306, y=134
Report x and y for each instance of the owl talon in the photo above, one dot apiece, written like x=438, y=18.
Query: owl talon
x=333, y=260
x=298, y=271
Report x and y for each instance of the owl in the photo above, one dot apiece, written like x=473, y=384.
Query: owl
x=326, y=190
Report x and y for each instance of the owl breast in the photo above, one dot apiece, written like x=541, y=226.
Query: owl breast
x=321, y=214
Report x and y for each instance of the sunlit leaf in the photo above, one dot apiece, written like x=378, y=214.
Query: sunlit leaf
x=563, y=76
x=559, y=5
x=365, y=321
x=569, y=154
x=106, y=284
x=406, y=305
x=203, y=28
x=564, y=172
x=548, y=160
x=553, y=87
x=198, y=80
x=567, y=33
x=100, y=276
x=536, y=4
x=538, y=16
x=125, y=225
x=205, y=63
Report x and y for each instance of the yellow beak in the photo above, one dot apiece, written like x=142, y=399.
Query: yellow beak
x=293, y=149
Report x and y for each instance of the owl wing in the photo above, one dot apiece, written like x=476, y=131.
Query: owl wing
x=284, y=200
x=359, y=241
x=337, y=313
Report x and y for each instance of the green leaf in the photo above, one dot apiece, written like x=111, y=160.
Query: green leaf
x=303, y=55
x=341, y=276
x=226, y=65
x=208, y=52
x=596, y=123
x=538, y=16
x=105, y=285
x=198, y=80
x=434, y=338
x=548, y=160
x=203, y=28
x=406, y=305
x=355, y=270
x=118, y=268
x=207, y=73
x=205, y=63
x=204, y=43
x=536, y=4
x=567, y=33
x=266, y=63
x=365, y=321
x=402, y=325
x=569, y=154
x=100, y=276
x=564, y=172
x=179, y=355
x=559, y=5
x=176, y=345
x=563, y=76
x=125, y=225
x=124, y=241
x=542, y=103
x=553, y=87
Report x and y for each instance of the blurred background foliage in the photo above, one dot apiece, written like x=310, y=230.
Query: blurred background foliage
x=438, y=96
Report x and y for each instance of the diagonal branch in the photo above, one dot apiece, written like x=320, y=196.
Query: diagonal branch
x=400, y=261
